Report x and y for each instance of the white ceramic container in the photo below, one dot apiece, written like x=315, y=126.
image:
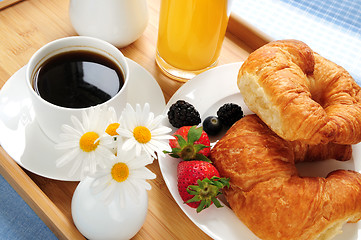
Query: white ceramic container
x=119, y=22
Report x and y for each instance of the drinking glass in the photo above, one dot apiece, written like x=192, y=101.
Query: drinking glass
x=190, y=36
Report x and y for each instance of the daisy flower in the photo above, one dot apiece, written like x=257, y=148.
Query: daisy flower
x=142, y=131
x=85, y=144
x=124, y=175
x=113, y=123
x=112, y=126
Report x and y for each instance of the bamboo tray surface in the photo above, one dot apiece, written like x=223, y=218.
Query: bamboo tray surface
x=7, y=3
x=28, y=25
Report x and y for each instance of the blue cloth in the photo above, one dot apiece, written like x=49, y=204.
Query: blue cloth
x=17, y=220
x=331, y=28
x=344, y=13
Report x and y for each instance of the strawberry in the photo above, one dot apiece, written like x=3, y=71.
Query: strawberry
x=190, y=143
x=199, y=184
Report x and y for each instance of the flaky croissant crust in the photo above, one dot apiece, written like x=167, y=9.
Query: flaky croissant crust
x=300, y=95
x=266, y=192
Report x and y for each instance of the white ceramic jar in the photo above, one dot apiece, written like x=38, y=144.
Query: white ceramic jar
x=119, y=22
x=99, y=221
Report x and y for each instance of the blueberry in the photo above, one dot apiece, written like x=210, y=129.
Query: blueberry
x=212, y=126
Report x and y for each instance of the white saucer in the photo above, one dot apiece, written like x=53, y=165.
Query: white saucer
x=23, y=140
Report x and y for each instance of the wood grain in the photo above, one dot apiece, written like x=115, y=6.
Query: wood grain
x=8, y=3
x=24, y=28
x=253, y=37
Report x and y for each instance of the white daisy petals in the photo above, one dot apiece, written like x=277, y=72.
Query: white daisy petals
x=156, y=122
x=67, y=145
x=78, y=126
x=67, y=157
x=76, y=166
x=143, y=117
x=159, y=132
x=100, y=161
x=74, y=154
x=111, y=188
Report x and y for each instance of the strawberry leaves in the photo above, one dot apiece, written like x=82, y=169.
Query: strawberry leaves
x=206, y=192
x=187, y=148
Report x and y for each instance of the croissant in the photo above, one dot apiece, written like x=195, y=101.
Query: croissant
x=266, y=192
x=301, y=95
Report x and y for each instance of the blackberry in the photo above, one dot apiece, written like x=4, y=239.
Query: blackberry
x=182, y=114
x=229, y=113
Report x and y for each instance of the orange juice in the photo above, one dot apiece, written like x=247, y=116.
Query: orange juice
x=191, y=32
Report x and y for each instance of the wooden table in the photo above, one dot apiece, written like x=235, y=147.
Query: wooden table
x=28, y=25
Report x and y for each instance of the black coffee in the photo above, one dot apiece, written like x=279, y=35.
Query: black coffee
x=78, y=79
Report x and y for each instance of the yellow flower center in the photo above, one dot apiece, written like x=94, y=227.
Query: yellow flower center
x=120, y=172
x=87, y=141
x=112, y=129
x=142, y=134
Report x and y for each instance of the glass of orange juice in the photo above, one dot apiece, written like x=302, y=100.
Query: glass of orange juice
x=190, y=36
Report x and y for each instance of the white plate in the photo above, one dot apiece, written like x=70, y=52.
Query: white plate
x=207, y=92
x=23, y=140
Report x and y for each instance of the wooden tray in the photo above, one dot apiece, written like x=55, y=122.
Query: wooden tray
x=27, y=26
x=8, y=3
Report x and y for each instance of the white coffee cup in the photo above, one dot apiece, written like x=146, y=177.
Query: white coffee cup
x=49, y=116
